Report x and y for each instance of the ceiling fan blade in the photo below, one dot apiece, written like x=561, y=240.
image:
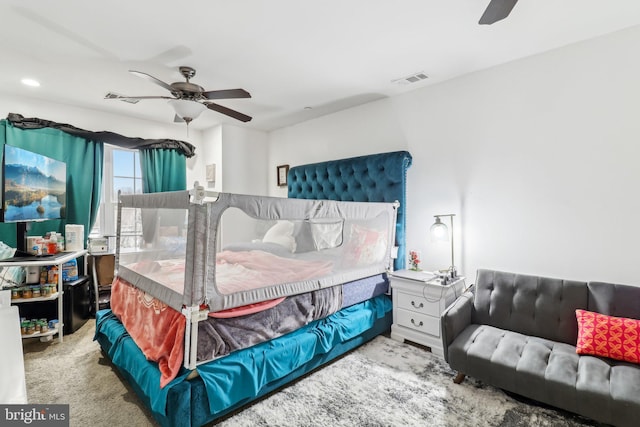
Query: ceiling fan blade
x=152, y=79
x=228, y=111
x=114, y=96
x=496, y=11
x=226, y=94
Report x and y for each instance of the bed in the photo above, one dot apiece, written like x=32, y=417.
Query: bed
x=235, y=295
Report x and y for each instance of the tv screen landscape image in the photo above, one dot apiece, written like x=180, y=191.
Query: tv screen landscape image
x=34, y=186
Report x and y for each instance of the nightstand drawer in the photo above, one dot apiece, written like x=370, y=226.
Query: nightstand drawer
x=418, y=304
x=419, y=322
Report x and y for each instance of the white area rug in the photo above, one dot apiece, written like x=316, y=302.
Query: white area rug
x=385, y=383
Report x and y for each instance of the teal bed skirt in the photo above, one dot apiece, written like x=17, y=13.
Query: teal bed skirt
x=226, y=384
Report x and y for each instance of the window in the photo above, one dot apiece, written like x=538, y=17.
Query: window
x=121, y=173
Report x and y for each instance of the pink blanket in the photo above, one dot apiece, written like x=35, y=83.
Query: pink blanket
x=244, y=270
x=156, y=328
x=238, y=270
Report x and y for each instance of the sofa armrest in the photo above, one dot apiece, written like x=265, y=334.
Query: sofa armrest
x=455, y=319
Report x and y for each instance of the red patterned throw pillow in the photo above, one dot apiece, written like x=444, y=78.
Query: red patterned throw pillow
x=608, y=336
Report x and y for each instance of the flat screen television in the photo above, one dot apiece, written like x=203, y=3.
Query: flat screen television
x=34, y=188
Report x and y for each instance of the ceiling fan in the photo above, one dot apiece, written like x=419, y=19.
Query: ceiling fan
x=189, y=99
x=496, y=11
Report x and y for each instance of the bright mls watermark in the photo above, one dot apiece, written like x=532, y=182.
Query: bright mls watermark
x=34, y=415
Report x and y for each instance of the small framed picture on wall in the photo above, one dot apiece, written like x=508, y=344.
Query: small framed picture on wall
x=282, y=171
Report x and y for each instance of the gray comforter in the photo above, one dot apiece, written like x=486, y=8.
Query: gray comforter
x=218, y=337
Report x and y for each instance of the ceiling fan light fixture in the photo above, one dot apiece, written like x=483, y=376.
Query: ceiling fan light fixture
x=186, y=109
x=30, y=82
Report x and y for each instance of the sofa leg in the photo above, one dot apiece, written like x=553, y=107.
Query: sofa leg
x=459, y=378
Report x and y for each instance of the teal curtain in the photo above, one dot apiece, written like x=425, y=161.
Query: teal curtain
x=163, y=170
x=84, y=175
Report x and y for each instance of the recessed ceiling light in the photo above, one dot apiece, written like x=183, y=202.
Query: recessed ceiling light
x=30, y=82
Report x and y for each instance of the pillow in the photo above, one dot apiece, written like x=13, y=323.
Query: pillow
x=326, y=233
x=608, y=336
x=365, y=246
x=304, y=237
x=282, y=234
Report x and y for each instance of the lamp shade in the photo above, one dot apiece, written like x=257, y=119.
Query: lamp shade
x=439, y=231
x=187, y=110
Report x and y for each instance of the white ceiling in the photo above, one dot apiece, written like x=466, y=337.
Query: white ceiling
x=299, y=59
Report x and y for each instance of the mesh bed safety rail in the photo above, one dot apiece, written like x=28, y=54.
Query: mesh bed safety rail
x=372, y=178
x=237, y=249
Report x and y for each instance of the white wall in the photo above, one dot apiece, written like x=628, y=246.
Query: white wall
x=244, y=166
x=207, y=153
x=240, y=156
x=537, y=158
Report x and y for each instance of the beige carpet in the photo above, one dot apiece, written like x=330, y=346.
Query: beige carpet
x=76, y=372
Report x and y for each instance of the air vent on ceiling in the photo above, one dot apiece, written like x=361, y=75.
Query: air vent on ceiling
x=112, y=95
x=413, y=78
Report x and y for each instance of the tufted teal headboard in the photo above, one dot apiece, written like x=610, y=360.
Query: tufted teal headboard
x=373, y=178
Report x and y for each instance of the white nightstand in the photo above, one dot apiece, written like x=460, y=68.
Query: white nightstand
x=418, y=301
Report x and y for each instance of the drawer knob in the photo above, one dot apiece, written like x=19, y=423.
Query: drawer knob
x=417, y=324
x=413, y=303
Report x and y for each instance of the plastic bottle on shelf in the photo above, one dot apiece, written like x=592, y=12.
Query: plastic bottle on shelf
x=53, y=243
x=53, y=274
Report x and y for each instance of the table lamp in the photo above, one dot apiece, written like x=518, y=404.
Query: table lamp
x=440, y=232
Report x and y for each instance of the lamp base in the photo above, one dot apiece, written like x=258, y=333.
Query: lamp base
x=450, y=272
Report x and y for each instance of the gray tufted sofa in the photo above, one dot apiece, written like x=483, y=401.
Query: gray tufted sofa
x=518, y=332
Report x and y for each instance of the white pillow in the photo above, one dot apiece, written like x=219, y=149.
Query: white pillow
x=282, y=234
x=327, y=233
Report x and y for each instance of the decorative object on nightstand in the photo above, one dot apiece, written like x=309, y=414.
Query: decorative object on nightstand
x=419, y=298
x=440, y=232
x=414, y=260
